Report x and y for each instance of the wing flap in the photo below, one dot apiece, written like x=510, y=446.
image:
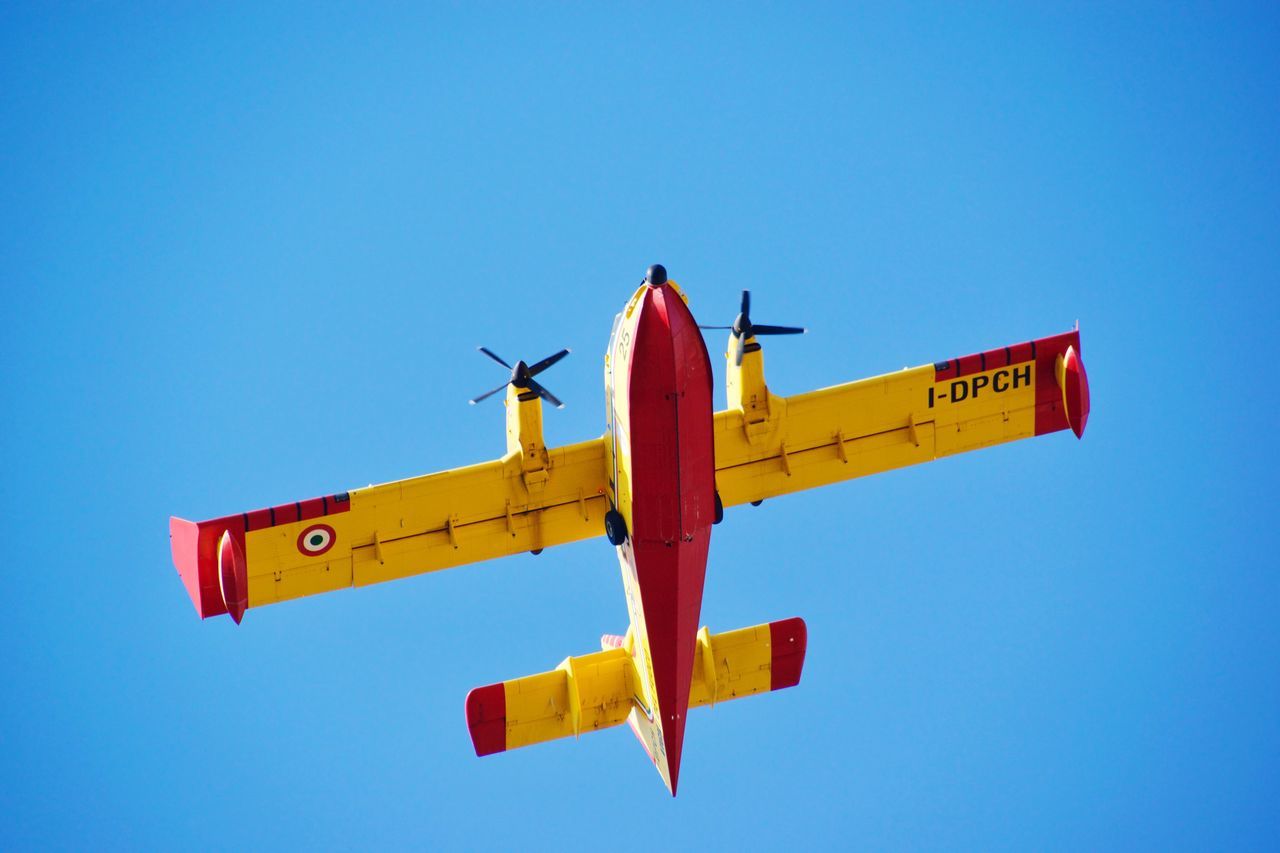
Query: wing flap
x=791, y=469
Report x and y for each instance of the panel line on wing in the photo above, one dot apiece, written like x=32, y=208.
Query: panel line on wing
x=454, y=528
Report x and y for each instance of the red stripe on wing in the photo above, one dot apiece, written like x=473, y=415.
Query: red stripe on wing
x=1050, y=415
x=980, y=362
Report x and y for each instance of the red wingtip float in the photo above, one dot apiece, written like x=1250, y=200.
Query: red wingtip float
x=655, y=484
x=1069, y=371
x=233, y=582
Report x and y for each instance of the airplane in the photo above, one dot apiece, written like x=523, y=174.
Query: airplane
x=654, y=485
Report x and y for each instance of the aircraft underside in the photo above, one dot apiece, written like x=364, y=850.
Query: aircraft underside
x=653, y=484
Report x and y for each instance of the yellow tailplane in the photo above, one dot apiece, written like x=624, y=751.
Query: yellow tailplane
x=599, y=690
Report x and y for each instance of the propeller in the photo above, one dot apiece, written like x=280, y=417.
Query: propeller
x=522, y=376
x=743, y=328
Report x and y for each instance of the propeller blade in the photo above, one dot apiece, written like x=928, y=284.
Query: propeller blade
x=535, y=369
x=489, y=394
x=522, y=376
x=743, y=329
x=495, y=357
x=545, y=394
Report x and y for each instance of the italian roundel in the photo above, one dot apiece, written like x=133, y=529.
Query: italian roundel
x=316, y=540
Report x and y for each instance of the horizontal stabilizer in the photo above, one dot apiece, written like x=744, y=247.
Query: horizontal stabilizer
x=597, y=691
x=582, y=694
x=747, y=661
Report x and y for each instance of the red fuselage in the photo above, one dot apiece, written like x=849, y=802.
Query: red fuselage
x=667, y=427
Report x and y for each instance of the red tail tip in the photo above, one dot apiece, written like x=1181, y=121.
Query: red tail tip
x=487, y=718
x=788, y=640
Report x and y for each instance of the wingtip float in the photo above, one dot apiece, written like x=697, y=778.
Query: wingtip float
x=212, y=557
x=1074, y=383
x=655, y=484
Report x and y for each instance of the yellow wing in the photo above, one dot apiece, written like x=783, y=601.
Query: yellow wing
x=768, y=445
x=529, y=500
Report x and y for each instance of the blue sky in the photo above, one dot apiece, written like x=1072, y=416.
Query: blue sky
x=247, y=255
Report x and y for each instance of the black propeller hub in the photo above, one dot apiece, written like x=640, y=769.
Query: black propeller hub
x=522, y=376
x=743, y=329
